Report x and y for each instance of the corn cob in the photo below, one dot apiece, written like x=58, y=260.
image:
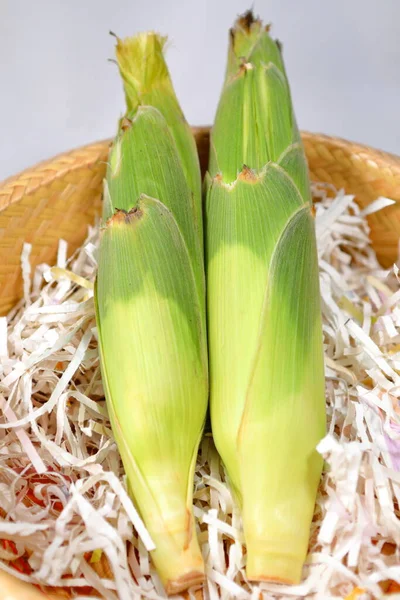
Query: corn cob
x=150, y=309
x=265, y=332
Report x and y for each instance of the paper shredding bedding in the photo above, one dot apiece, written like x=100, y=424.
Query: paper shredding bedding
x=63, y=500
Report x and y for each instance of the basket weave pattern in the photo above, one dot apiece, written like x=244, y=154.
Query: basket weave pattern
x=367, y=173
x=60, y=197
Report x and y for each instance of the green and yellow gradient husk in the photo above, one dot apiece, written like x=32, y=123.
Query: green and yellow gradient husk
x=150, y=303
x=147, y=82
x=264, y=318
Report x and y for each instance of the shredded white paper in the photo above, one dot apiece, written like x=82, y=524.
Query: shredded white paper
x=63, y=500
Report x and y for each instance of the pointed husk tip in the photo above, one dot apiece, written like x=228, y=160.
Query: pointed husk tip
x=132, y=53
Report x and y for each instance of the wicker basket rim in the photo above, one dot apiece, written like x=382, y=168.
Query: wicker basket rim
x=45, y=172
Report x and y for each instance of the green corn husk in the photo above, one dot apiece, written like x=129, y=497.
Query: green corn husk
x=151, y=85
x=150, y=309
x=264, y=319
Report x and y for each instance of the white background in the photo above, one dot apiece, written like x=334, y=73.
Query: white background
x=58, y=91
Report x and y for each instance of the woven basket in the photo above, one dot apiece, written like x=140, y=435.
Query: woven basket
x=59, y=198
